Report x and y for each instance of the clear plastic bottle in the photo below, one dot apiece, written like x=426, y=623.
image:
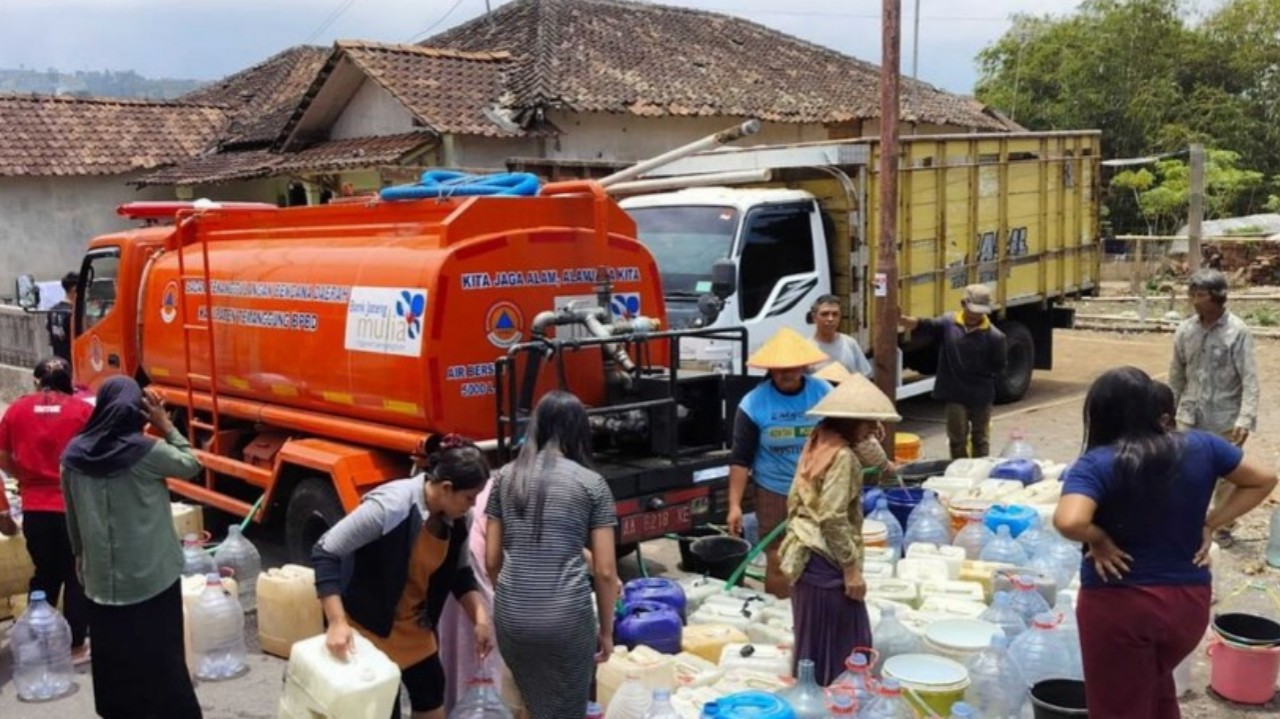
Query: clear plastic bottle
x=660, y=706
x=1033, y=536
x=1273, y=542
x=892, y=638
x=974, y=537
x=481, y=701
x=239, y=555
x=41, y=641
x=594, y=711
x=1065, y=556
x=926, y=530
x=997, y=689
x=841, y=703
x=882, y=514
x=857, y=678
x=929, y=505
x=1004, y=548
x=1002, y=614
x=1041, y=652
x=960, y=710
x=217, y=633
x=1018, y=447
x=888, y=704
x=1065, y=611
x=1026, y=599
x=632, y=699
x=806, y=698
x=196, y=561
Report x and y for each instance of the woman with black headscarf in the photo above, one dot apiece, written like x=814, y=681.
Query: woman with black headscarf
x=127, y=551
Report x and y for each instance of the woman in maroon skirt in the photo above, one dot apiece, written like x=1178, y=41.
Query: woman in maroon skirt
x=822, y=552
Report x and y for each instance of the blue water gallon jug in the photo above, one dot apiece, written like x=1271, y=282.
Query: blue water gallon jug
x=871, y=495
x=1018, y=518
x=655, y=589
x=748, y=705
x=1022, y=470
x=652, y=624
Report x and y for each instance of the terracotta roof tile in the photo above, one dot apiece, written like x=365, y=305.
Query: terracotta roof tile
x=261, y=99
x=645, y=59
x=215, y=168
x=45, y=135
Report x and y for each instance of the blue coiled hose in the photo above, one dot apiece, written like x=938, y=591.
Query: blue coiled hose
x=440, y=184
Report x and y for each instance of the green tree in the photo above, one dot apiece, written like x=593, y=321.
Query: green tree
x=1164, y=195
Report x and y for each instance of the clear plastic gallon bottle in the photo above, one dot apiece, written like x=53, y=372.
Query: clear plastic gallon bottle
x=1004, y=549
x=481, y=701
x=857, y=678
x=997, y=689
x=1002, y=614
x=892, y=638
x=1018, y=447
x=974, y=537
x=1041, y=653
x=1026, y=598
x=891, y=524
x=240, y=556
x=806, y=698
x=889, y=703
x=217, y=633
x=41, y=641
x=660, y=706
x=195, y=561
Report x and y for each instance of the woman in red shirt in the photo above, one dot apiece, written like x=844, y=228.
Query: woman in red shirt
x=33, y=433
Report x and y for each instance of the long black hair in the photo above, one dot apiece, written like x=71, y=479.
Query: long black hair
x=457, y=460
x=1122, y=410
x=559, y=427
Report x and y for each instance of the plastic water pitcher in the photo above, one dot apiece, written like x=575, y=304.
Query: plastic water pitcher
x=806, y=698
x=1004, y=548
x=894, y=528
x=240, y=556
x=974, y=537
x=1273, y=543
x=927, y=530
x=196, y=561
x=481, y=701
x=632, y=699
x=1041, y=651
x=41, y=641
x=891, y=638
x=889, y=703
x=217, y=633
x=1002, y=614
x=1026, y=599
x=1018, y=447
x=857, y=678
x=929, y=505
x=997, y=689
x=660, y=706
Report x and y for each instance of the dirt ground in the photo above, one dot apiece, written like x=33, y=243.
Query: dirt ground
x=1050, y=417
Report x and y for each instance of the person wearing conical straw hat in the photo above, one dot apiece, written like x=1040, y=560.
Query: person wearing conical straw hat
x=835, y=373
x=769, y=431
x=821, y=554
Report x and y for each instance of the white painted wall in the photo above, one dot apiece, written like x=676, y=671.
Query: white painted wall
x=372, y=112
x=627, y=138
x=491, y=153
x=46, y=222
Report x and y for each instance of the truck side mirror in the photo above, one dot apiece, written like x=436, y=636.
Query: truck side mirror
x=27, y=292
x=724, y=278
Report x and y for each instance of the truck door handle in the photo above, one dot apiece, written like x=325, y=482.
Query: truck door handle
x=113, y=360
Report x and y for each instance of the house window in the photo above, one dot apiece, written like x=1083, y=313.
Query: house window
x=98, y=287
x=777, y=243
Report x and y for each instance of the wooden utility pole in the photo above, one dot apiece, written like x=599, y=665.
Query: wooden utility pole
x=885, y=285
x=1195, y=213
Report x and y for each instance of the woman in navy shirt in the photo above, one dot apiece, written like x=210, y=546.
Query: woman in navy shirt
x=1138, y=499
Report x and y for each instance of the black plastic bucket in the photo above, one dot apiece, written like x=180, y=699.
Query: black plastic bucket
x=1058, y=699
x=720, y=555
x=1248, y=630
x=688, y=562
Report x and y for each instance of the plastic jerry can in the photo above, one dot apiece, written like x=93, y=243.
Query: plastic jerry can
x=16, y=568
x=693, y=671
x=740, y=596
x=733, y=615
x=887, y=555
x=708, y=640
x=922, y=569
x=764, y=658
x=953, y=556
x=745, y=680
x=654, y=669
x=883, y=570
x=972, y=591
x=696, y=591
x=983, y=573
x=903, y=591
x=288, y=609
x=366, y=686
x=776, y=632
x=187, y=518
x=965, y=608
x=689, y=702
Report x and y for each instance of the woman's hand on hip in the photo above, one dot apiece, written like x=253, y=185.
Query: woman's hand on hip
x=1206, y=543
x=855, y=587
x=1110, y=561
x=340, y=640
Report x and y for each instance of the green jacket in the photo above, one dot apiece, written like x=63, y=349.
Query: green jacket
x=121, y=526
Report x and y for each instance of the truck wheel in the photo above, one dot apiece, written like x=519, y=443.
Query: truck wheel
x=313, y=508
x=1020, y=351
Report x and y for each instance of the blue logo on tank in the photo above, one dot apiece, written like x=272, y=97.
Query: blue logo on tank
x=411, y=306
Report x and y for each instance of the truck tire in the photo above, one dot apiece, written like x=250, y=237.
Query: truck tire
x=314, y=507
x=1020, y=353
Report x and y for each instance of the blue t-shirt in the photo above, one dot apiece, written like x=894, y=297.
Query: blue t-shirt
x=784, y=425
x=1162, y=540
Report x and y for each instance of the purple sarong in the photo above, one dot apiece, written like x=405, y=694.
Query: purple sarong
x=828, y=624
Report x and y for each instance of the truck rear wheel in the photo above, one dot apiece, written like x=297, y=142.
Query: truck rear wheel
x=1020, y=353
x=314, y=507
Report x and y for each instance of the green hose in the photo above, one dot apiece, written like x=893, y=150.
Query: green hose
x=243, y=524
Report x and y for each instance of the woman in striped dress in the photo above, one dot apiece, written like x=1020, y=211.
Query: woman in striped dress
x=544, y=508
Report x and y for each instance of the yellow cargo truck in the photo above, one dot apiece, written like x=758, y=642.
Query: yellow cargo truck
x=1018, y=212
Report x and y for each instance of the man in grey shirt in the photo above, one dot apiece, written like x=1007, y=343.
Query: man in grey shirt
x=1213, y=374
x=825, y=317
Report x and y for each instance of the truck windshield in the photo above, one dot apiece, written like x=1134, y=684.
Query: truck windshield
x=685, y=241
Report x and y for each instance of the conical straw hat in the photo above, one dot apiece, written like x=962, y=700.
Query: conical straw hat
x=857, y=398
x=834, y=372
x=785, y=350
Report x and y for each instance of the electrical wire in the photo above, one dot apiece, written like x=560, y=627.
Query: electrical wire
x=436, y=24
x=329, y=20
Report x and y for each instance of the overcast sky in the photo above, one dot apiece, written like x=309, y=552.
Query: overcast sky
x=207, y=39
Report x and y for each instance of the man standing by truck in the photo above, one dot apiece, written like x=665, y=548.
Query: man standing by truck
x=841, y=348
x=58, y=324
x=1213, y=374
x=971, y=355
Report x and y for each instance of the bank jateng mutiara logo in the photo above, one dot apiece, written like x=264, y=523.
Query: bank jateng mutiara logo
x=410, y=307
x=626, y=305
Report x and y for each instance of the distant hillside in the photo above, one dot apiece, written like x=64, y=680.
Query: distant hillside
x=95, y=84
